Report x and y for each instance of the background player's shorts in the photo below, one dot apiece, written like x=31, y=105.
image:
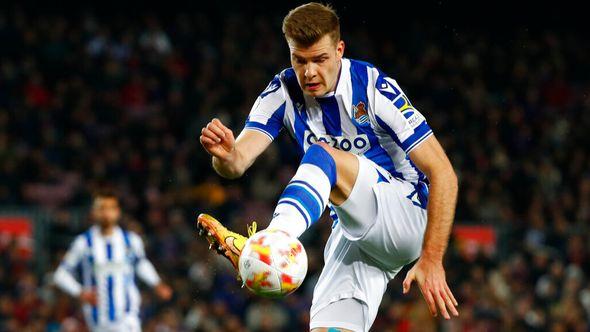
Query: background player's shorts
x=379, y=230
x=129, y=323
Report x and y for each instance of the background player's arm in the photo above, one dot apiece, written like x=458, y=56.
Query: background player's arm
x=64, y=279
x=231, y=158
x=146, y=271
x=428, y=270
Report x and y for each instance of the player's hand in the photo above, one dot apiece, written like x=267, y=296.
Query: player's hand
x=430, y=276
x=218, y=140
x=89, y=296
x=163, y=291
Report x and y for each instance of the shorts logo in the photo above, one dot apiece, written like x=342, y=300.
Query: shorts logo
x=360, y=114
x=413, y=196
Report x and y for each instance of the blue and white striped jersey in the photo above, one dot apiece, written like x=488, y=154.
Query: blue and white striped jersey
x=108, y=265
x=368, y=114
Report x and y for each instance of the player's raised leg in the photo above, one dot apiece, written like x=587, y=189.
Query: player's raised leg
x=324, y=174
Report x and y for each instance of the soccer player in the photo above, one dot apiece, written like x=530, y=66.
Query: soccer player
x=108, y=257
x=368, y=154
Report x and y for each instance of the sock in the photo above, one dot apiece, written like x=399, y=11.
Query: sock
x=306, y=196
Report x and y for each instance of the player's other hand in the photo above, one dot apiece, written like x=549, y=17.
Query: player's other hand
x=89, y=296
x=217, y=139
x=430, y=276
x=163, y=291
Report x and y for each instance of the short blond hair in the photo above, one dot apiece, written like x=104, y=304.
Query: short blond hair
x=308, y=23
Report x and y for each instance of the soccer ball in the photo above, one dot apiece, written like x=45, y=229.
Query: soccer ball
x=272, y=263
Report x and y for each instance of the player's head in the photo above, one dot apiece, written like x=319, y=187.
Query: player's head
x=313, y=34
x=105, y=208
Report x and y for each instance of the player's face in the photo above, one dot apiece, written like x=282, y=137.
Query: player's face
x=106, y=211
x=317, y=66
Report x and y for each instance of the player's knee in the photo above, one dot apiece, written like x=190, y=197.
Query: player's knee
x=326, y=147
x=337, y=155
x=341, y=158
x=318, y=156
x=323, y=151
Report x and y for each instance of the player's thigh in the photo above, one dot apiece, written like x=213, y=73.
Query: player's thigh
x=383, y=215
x=397, y=235
x=358, y=212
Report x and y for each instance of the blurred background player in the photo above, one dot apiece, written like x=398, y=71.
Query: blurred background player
x=107, y=257
x=377, y=165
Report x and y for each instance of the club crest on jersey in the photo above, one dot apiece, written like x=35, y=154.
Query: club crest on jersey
x=360, y=114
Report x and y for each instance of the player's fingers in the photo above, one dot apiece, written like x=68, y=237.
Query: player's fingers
x=221, y=126
x=206, y=140
x=225, y=129
x=408, y=281
x=215, y=128
x=228, y=132
x=441, y=303
x=449, y=302
x=450, y=294
x=208, y=133
x=429, y=300
x=218, y=122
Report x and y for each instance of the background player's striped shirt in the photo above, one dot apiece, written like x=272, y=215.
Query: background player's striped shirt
x=368, y=114
x=107, y=264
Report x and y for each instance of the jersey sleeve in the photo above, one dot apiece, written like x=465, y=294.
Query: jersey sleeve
x=144, y=269
x=268, y=111
x=394, y=114
x=63, y=276
x=74, y=254
x=137, y=246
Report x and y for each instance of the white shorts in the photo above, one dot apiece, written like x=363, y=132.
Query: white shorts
x=379, y=230
x=331, y=315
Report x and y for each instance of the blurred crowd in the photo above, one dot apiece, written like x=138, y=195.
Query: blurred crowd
x=89, y=101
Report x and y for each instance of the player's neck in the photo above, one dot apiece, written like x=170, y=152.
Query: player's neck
x=107, y=230
x=338, y=78
x=332, y=90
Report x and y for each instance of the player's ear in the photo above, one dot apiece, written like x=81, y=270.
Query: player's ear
x=340, y=49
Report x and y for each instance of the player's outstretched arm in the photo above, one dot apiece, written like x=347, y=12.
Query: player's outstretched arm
x=64, y=279
x=428, y=270
x=232, y=157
